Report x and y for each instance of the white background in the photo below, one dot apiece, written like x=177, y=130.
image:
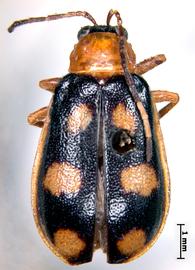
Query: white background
x=41, y=51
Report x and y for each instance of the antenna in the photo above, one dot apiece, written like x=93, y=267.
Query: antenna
x=52, y=17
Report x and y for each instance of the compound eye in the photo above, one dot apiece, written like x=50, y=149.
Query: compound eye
x=122, y=141
x=83, y=32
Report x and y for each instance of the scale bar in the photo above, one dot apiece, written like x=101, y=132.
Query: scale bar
x=180, y=236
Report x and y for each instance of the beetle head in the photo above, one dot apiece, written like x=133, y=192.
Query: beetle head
x=100, y=29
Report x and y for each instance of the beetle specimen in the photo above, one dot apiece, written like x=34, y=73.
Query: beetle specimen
x=100, y=177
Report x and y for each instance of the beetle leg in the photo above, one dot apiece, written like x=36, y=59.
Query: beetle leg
x=38, y=117
x=149, y=64
x=50, y=84
x=161, y=96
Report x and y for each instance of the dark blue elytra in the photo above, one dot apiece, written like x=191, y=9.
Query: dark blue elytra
x=122, y=212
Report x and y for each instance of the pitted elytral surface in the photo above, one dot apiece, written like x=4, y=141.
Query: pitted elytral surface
x=129, y=207
x=84, y=117
x=72, y=148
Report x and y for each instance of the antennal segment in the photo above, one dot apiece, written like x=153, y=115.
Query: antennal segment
x=52, y=17
x=111, y=13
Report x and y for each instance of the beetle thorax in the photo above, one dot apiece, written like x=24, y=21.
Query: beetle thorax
x=98, y=54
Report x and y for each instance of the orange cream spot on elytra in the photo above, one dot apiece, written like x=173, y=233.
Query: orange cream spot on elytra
x=68, y=243
x=132, y=242
x=79, y=118
x=123, y=118
x=139, y=179
x=62, y=178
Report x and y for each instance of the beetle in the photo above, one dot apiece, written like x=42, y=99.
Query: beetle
x=100, y=177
